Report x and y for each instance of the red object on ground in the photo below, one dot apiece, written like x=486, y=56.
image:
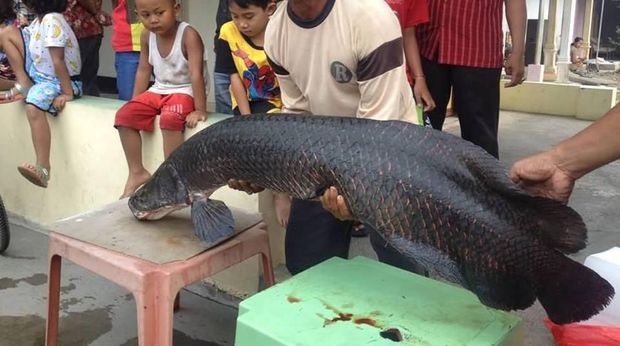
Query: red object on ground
x=579, y=334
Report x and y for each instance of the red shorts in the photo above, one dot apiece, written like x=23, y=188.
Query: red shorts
x=140, y=112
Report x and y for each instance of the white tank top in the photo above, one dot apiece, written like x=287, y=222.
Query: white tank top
x=171, y=72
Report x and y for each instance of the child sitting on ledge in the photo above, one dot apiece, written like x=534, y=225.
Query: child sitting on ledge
x=9, y=33
x=49, y=52
x=173, y=52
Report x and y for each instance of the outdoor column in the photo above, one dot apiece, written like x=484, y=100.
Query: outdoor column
x=587, y=27
x=540, y=31
x=568, y=24
x=566, y=38
x=550, y=48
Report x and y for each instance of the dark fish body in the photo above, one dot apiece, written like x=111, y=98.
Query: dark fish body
x=438, y=199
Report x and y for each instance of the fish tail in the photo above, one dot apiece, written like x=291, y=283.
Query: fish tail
x=571, y=292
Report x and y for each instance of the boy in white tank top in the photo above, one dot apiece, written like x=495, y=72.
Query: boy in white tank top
x=173, y=52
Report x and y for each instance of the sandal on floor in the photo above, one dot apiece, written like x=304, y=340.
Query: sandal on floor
x=36, y=174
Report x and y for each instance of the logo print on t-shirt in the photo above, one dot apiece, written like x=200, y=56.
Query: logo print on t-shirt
x=340, y=72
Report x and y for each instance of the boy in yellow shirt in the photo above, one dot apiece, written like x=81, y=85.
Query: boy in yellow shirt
x=253, y=84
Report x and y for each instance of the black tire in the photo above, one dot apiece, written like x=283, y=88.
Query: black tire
x=5, y=236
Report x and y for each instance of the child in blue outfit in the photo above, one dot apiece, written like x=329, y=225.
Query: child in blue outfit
x=52, y=61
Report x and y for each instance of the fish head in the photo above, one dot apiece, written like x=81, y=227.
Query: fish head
x=160, y=196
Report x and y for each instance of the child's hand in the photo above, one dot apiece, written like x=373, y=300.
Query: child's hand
x=61, y=100
x=194, y=117
x=243, y=185
x=282, y=206
x=335, y=204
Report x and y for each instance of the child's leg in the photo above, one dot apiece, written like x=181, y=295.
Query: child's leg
x=172, y=140
x=41, y=137
x=135, y=116
x=13, y=45
x=175, y=108
x=40, y=98
x=132, y=146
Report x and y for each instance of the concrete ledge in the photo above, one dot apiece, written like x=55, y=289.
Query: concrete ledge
x=88, y=165
x=571, y=100
x=89, y=171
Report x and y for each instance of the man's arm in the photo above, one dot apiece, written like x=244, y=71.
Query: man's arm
x=90, y=6
x=143, y=75
x=293, y=100
x=516, y=15
x=595, y=146
x=552, y=174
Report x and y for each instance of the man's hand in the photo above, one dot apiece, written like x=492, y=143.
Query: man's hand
x=335, y=204
x=243, y=185
x=516, y=69
x=194, y=117
x=61, y=100
x=540, y=176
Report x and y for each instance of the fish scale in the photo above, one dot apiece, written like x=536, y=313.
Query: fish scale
x=440, y=201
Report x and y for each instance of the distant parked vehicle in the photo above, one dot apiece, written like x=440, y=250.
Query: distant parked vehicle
x=4, y=228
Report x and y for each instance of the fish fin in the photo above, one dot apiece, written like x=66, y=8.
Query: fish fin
x=436, y=263
x=499, y=290
x=571, y=292
x=213, y=221
x=558, y=225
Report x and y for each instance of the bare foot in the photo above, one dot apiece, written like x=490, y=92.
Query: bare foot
x=134, y=181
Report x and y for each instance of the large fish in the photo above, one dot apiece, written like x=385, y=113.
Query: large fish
x=436, y=198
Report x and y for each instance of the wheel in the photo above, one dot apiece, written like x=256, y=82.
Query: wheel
x=4, y=228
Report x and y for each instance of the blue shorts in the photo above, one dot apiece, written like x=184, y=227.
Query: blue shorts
x=45, y=88
x=126, y=65
x=223, y=103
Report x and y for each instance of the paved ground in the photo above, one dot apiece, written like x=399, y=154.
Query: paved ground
x=97, y=312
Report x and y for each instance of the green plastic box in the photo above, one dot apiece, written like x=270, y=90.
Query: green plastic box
x=365, y=302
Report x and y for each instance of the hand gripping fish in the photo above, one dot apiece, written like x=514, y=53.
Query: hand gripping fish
x=438, y=199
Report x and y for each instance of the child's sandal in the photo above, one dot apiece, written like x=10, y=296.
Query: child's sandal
x=36, y=174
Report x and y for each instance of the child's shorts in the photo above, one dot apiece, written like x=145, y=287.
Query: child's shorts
x=45, y=88
x=140, y=112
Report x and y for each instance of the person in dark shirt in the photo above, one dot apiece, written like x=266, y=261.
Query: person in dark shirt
x=221, y=78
